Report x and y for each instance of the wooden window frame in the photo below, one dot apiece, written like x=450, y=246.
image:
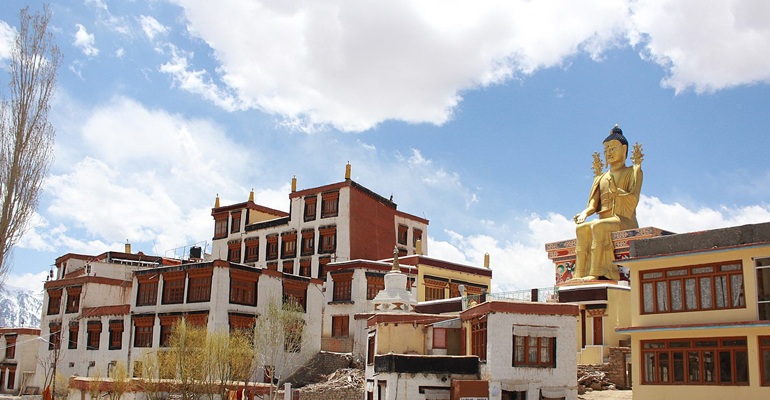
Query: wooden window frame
x=403, y=234
x=234, y=251
x=340, y=326
x=370, y=343
x=54, y=301
x=343, y=286
x=763, y=299
x=147, y=292
x=663, y=367
x=235, y=225
x=143, y=331
x=309, y=212
x=116, y=334
x=252, y=249
x=54, y=336
x=94, y=333
x=435, y=289
x=764, y=354
x=173, y=288
x=220, y=226
x=167, y=324
x=322, y=262
x=374, y=284
x=289, y=245
x=327, y=241
x=308, y=243
x=330, y=204
x=243, y=287
x=10, y=347
x=416, y=235
x=271, y=247
x=479, y=337
x=539, y=344
x=305, y=267
x=72, y=338
x=199, y=285
x=287, y=267
x=73, y=299
x=295, y=291
x=664, y=277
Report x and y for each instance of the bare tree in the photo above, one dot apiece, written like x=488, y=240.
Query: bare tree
x=26, y=135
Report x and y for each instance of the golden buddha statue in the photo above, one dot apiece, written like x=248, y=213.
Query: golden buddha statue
x=613, y=197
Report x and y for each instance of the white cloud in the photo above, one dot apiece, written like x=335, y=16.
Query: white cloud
x=151, y=27
x=7, y=36
x=708, y=45
x=85, y=41
x=353, y=65
x=28, y=281
x=120, y=53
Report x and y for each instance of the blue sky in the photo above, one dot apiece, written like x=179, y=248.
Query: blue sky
x=480, y=116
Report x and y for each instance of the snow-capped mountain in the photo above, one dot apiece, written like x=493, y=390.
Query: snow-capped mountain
x=19, y=307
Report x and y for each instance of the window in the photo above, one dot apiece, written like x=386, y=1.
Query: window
x=11, y=377
x=173, y=287
x=54, y=301
x=322, y=261
x=143, y=336
x=73, y=299
x=343, y=283
x=310, y=203
x=764, y=359
x=763, y=288
x=292, y=337
x=116, y=334
x=72, y=341
x=434, y=289
x=374, y=284
x=236, y=224
x=234, y=251
x=295, y=292
x=200, y=285
x=340, y=325
x=288, y=267
x=722, y=361
x=479, y=337
x=289, y=245
x=329, y=204
x=220, y=226
x=54, y=338
x=147, y=292
x=439, y=338
x=10, y=347
x=403, y=230
x=272, y=247
x=533, y=351
x=243, y=287
x=328, y=241
x=252, y=249
x=308, y=242
x=94, y=333
x=416, y=235
x=304, y=267
x=694, y=288
x=241, y=322
x=167, y=324
x=370, y=350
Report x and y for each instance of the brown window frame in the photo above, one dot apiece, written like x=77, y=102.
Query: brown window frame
x=10, y=347
x=403, y=234
x=330, y=204
x=173, y=288
x=374, y=284
x=54, y=301
x=340, y=326
x=416, y=235
x=271, y=247
x=309, y=213
x=764, y=360
x=322, y=262
x=243, y=287
x=94, y=333
x=220, y=226
x=252, y=249
x=308, y=243
x=327, y=241
x=167, y=324
x=295, y=292
x=534, y=359
x=199, y=285
x=661, y=353
x=72, y=338
x=235, y=225
x=147, y=292
x=234, y=251
x=661, y=282
x=116, y=334
x=435, y=289
x=343, y=286
x=73, y=299
x=479, y=337
x=289, y=245
x=305, y=267
x=54, y=336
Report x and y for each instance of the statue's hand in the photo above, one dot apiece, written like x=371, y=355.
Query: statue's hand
x=580, y=218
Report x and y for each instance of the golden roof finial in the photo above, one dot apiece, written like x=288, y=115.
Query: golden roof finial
x=347, y=171
x=216, y=202
x=251, y=195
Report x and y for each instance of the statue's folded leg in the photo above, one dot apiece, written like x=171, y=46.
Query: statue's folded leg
x=582, y=251
x=602, y=256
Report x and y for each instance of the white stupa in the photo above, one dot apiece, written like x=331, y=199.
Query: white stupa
x=395, y=297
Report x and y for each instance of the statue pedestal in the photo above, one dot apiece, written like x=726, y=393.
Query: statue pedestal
x=563, y=253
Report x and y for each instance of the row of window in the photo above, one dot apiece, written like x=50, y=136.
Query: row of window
x=343, y=285
x=403, y=234
x=694, y=288
x=197, y=283
x=10, y=381
x=327, y=244
x=55, y=300
x=435, y=288
x=93, y=335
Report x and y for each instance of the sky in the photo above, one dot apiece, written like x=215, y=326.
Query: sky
x=479, y=116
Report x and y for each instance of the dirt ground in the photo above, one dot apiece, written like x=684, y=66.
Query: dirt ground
x=607, y=395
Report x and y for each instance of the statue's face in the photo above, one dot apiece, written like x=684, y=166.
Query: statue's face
x=614, y=152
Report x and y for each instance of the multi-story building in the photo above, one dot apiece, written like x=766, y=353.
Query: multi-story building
x=700, y=314
x=18, y=360
x=336, y=222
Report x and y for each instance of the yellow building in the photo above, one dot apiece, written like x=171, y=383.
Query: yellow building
x=700, y=314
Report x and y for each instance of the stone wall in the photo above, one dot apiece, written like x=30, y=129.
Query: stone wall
x=614, y=371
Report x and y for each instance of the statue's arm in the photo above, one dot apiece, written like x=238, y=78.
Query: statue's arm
x=627, y=198
x=593, y=203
